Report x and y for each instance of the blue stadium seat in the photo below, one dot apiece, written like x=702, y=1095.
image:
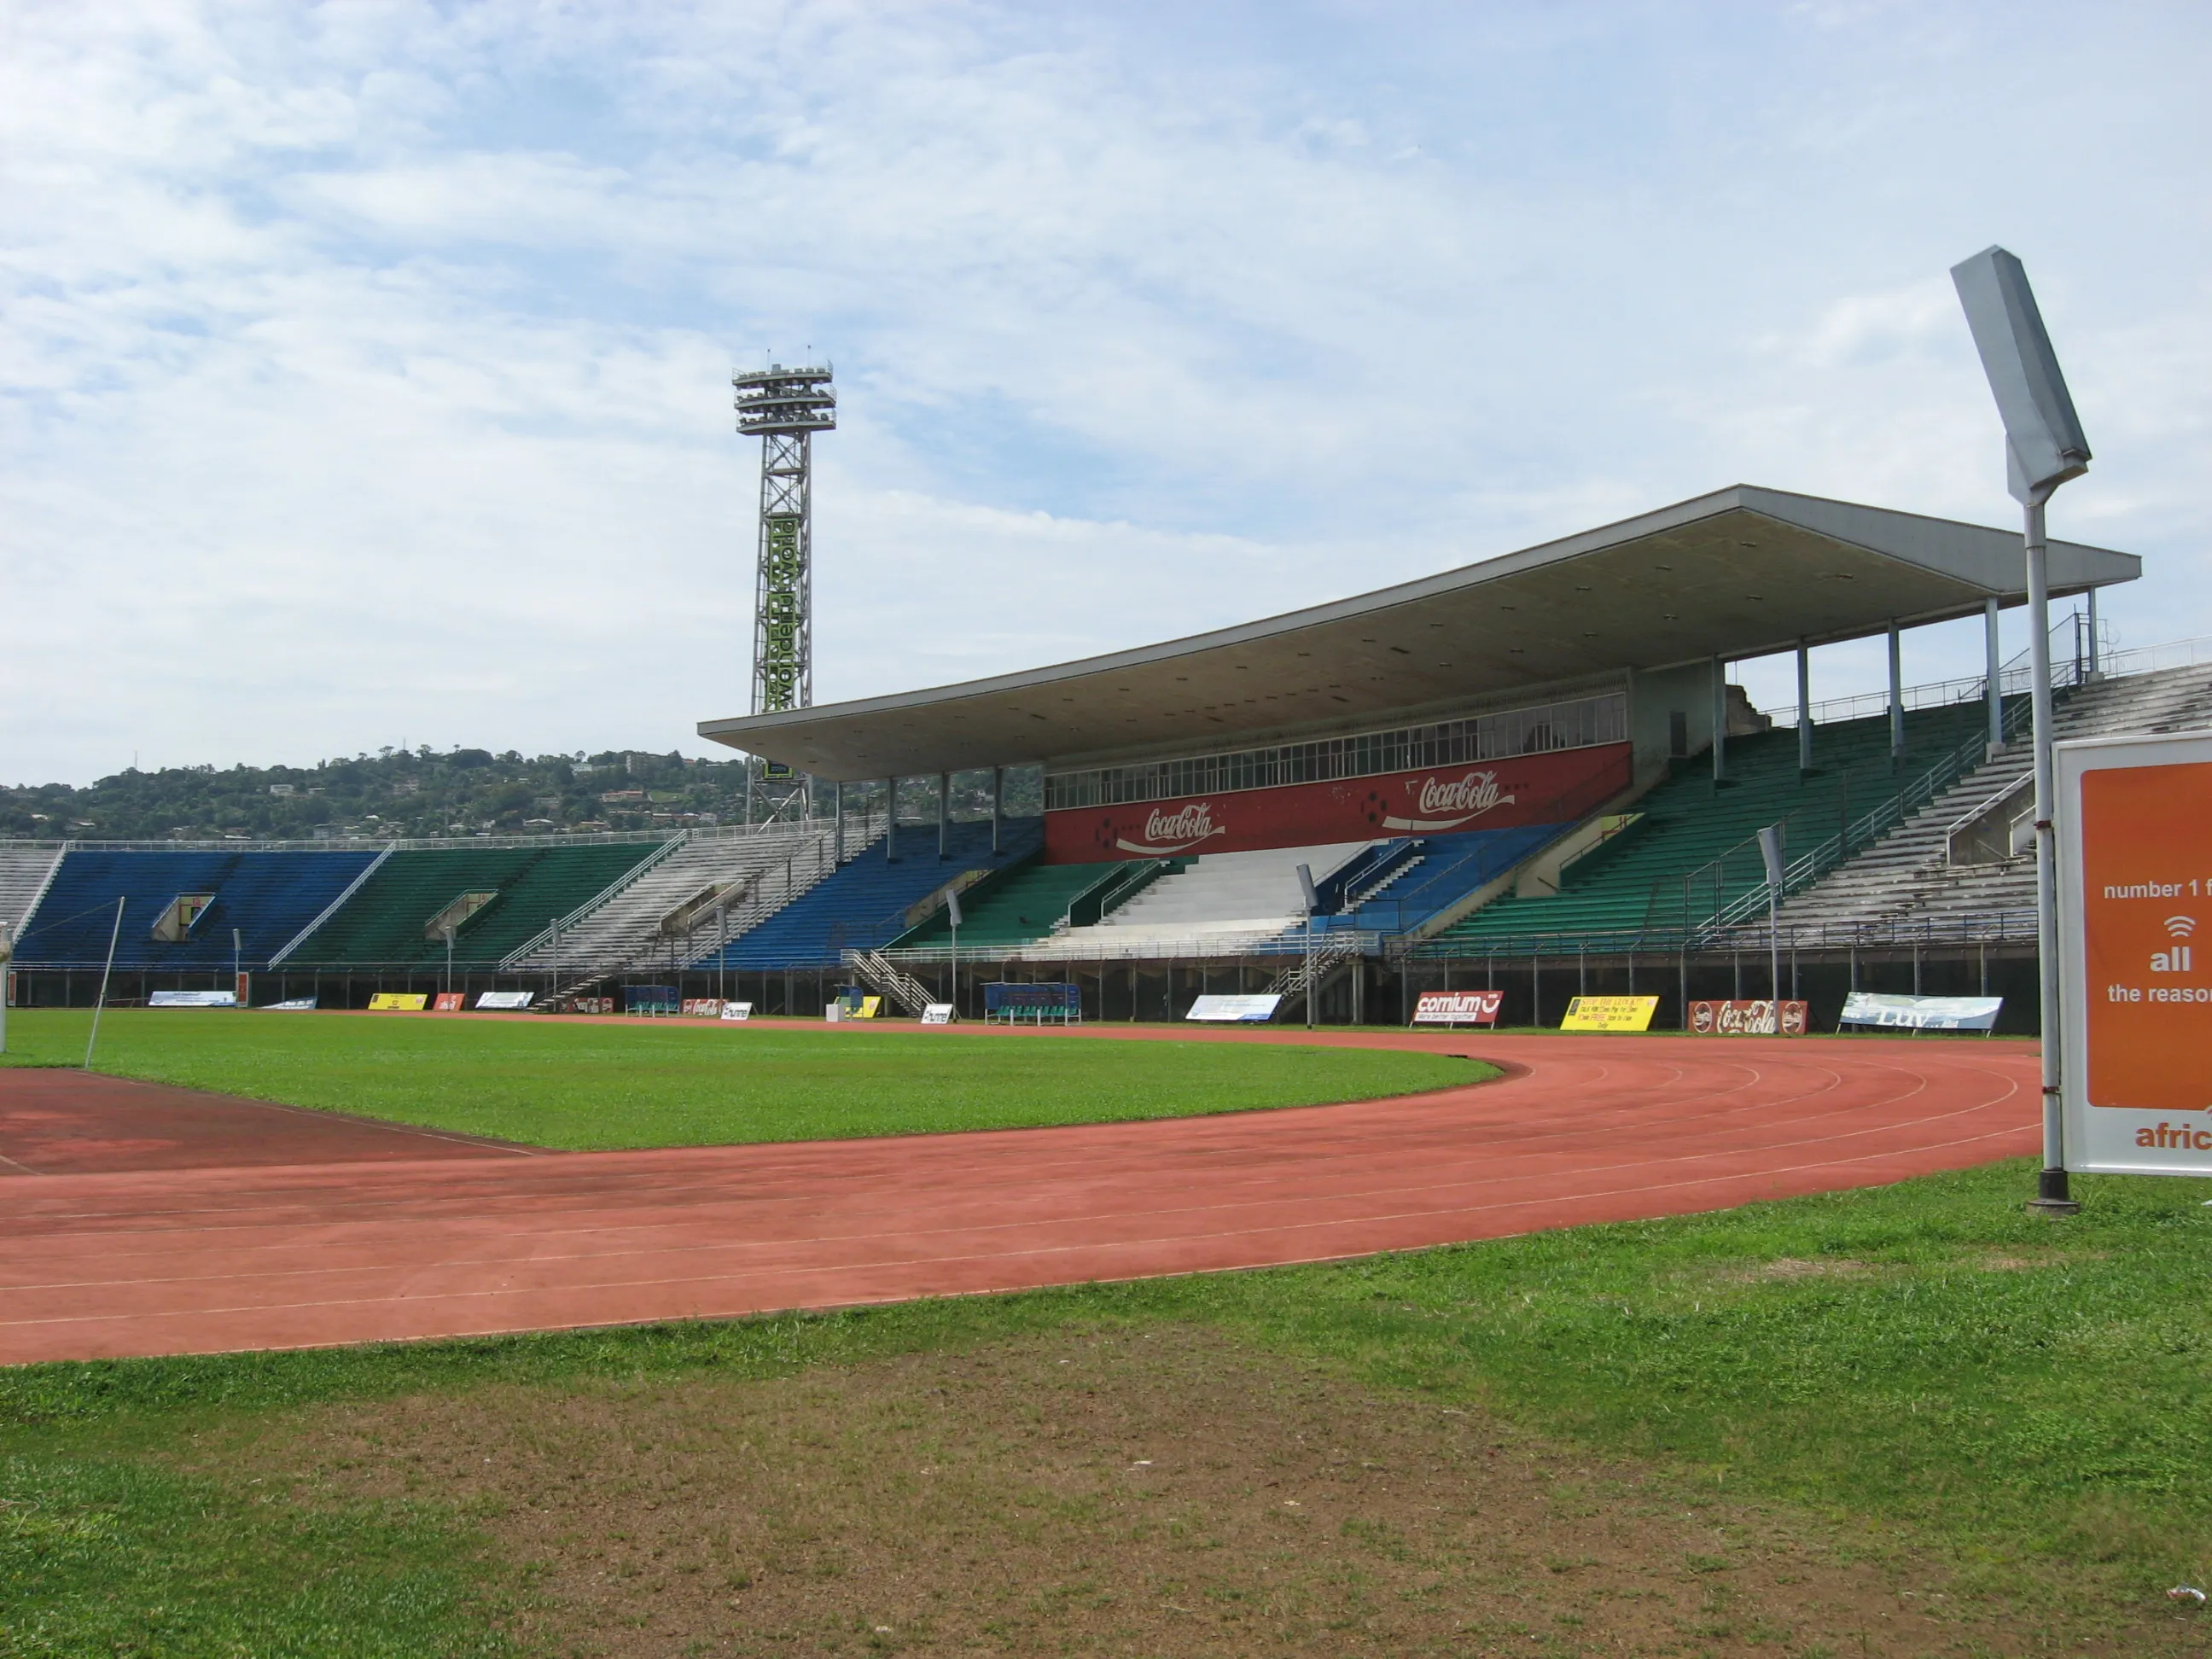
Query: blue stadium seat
x=268, y=896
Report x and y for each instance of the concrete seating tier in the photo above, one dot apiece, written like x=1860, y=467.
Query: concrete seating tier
x=25, y=866
x=1907, y=874
x=628, y=925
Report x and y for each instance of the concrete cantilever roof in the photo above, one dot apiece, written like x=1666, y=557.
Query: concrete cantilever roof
x=1738, y=573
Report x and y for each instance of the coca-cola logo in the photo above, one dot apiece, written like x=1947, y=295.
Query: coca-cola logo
x=1447, y=803
x=1477, y=792
x=1191, y=822
x=1174, y=829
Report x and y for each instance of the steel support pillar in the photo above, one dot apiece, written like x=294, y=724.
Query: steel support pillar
x=1993, y=675
x=1896, y=696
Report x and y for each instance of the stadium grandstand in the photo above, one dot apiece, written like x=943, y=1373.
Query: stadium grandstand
x=1531, y=772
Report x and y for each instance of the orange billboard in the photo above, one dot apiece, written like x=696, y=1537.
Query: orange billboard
x=2135, y=827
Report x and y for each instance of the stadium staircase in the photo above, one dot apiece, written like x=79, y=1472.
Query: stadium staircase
x=382, y=924
x=662, y=910
x=1962, y=853
x=870, y=901
x=26, y=871
x=1690, y=856
x=887, y=979
x=266, y=896
x=1331, y=951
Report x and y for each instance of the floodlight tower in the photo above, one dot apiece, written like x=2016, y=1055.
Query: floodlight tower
x=785, y=407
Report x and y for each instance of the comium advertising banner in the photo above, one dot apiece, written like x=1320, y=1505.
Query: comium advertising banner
x=2135, y=887
x=1494, y=794
x=1458, y=1007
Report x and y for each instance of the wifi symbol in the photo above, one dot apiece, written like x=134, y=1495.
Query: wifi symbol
x=2181, y=926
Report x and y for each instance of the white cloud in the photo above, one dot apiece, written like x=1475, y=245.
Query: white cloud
x=365, y=365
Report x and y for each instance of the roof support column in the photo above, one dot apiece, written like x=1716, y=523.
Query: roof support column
x=890, y=820
x=1992, y=675
x=1896, y=696
x=943, y=811
x=998, y=804
x=1720, y=721
x=1804, y=708
x=841, y=824
x=2096, y=670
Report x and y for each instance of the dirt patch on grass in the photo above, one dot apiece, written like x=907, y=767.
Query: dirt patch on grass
x=1103, y=1493
x=1791, y=1267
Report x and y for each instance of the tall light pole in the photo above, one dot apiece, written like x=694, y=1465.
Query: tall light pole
x=784, y=408
x=1770, y=852
x=952, y=904
x=2045, y=447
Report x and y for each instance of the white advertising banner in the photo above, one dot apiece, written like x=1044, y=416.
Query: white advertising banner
x=509, y=1000
x=938, y=1014
x=1922, y=1013
x=192, y=999
x=1225, y=1010
x=737, y=1011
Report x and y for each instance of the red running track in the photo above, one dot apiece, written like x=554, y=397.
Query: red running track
x=476, y=1241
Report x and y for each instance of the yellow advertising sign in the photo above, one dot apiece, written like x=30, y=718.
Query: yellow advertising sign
x=870, y=1007
x=398, y=1002
x=1610, y=1014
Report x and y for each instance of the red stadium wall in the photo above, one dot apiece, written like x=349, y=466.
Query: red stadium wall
x=1499, y=795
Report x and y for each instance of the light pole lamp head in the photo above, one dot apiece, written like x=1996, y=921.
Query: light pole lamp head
x=1306, y=885
x=2044, y=445
x=777, y=400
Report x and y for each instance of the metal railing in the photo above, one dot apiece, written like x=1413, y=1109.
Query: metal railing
x=2072, y=663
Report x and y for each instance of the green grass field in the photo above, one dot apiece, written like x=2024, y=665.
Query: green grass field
x=2003, y=1417
x=579, y=1086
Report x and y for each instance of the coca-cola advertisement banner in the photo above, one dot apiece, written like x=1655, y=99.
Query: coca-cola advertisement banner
x=1749, y=1018
x=1497, y=794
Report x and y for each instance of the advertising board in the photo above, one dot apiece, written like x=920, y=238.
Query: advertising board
x=192, y=999
x=398, y=1002
x=1553, y=787
x=1921, y=1013
x=515, y=1000
x=1230, y=1010
x=1610, y=1014
x=703, y=1007
x=2135, y=885
x=737, y=1011
x=937, y=1014
x=1457, y=1008
x=449, y=1002
x=1749, y=1017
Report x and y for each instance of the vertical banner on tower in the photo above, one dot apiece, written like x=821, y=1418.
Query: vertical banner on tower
x=2135, y=889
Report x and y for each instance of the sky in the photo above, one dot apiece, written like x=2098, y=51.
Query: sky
x=364, y=366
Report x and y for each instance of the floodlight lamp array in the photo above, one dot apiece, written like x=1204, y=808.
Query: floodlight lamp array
x=777, y=400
